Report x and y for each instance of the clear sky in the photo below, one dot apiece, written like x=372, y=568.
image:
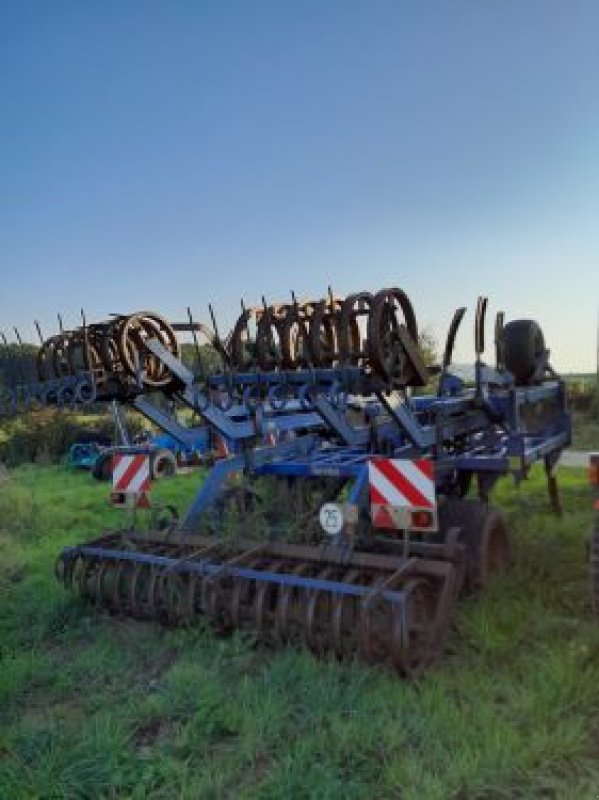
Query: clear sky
x=160, y=154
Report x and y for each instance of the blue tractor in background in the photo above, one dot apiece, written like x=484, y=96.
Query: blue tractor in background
x=167, y=454
x=174, y=447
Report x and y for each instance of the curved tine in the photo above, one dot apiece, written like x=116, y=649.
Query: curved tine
x=364, y=627
x=98, y=585
x=153, y=595
x=499, y=321
x=451, y=337
x=67, y=573
x=483, y=322
x=337, y=617
x=137, y=568
x=145, y=606
x=241, y=584
x=60, y=570
x=162, y=595
x=260, y=600
x=311, y=606
x=212, y=597
x=102, y=568
x=400, y=635
x=82, y=576
x=177, y=597
x=196, y=345
x=39, y=331
x=72, y=576
x=411, y=657
x=115, y=598
x=190, y=604
x=286, y=592
x=479, y=325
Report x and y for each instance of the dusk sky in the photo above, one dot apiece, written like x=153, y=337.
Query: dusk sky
x=155, y=155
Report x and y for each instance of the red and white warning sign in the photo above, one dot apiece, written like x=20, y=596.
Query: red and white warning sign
x=131, y=477
x=402, y=493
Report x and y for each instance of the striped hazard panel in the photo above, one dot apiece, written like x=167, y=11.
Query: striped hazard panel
x=130, y=473
x=402, y=494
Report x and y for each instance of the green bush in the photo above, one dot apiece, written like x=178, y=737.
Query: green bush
x=44, y=437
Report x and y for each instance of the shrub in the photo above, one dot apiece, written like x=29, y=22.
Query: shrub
x=44, y=437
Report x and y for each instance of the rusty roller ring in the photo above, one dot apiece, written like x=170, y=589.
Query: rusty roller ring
x=350, y=339
x=243, y=348
x=295, y=338
x=108, y=349
x=60, y=359
x=45, y=359
x=85, y=391
x=82, y=353
x=268, y=337
x=133, y=331
x=390, y=309
x=323, y=334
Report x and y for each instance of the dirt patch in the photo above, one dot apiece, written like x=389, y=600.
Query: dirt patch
x=153, y=730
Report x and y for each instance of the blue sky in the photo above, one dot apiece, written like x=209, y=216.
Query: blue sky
x=160, y=154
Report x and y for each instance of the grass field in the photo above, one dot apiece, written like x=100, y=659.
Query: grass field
x=92, y=706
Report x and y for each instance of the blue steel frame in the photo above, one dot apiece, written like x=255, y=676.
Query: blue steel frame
x=481, y=430
x=477, y=430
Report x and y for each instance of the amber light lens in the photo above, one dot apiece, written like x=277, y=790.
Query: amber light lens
x=422, y=519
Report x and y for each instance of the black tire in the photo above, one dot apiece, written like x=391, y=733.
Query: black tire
x=523, y=349
x=102, y=469
x=163, y=464
x=484, y=535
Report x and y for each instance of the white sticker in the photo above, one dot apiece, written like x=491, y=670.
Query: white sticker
x=331, y=518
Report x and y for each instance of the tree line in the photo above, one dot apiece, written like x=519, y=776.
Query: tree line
x=17, y=364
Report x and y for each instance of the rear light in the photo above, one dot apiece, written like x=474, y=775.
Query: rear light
x=422, y=519
x=594, y=469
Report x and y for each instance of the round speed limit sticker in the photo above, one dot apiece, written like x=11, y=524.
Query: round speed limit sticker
x=331, y=518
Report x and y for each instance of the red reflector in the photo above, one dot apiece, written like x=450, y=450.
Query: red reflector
x=422, y=519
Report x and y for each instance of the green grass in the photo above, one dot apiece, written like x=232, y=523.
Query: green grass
x=93, y=706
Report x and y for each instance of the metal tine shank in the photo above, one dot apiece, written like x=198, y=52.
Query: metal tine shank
x=499, y=320
x=479, y=326
x=196, y=344
x=39, y=331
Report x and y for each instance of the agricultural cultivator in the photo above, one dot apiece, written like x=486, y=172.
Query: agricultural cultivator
x=352, y=511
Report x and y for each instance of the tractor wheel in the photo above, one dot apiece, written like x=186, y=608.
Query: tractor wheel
x=523, y=348
x=102, y=469
x=484, y=535
x=594, y=567
x=163, y=464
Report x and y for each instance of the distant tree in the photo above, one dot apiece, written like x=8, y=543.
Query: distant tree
x=207, y=361
x=428, y=346
x=17, y=364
